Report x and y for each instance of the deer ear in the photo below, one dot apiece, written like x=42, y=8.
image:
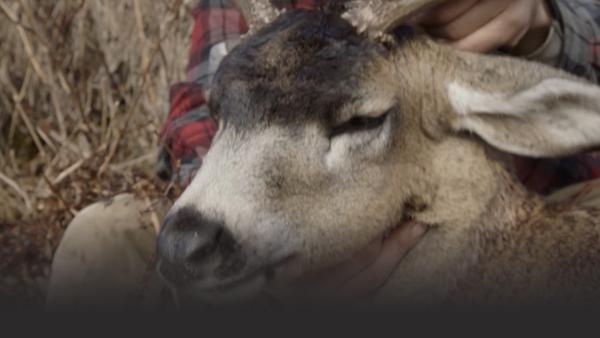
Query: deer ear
x=555, y=117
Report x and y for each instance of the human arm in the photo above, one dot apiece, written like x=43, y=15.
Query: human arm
x=564, y=34
x=188, y=130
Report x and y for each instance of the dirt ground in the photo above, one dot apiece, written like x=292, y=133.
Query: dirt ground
x=84, y=88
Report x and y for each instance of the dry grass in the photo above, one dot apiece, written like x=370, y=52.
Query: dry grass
x=83, y=91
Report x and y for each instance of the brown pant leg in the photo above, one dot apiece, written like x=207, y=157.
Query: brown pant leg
x=104, y=259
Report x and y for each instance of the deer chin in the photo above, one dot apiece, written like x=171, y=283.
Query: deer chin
x=263, y=284
x=239, y=292
x=246, y=289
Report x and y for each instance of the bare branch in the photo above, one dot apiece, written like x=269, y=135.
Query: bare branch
x=18, y=190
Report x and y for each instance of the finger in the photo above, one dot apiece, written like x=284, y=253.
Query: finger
x=543, y=15
x=445, y=13
x=333, y=277
x=500, y=32
x=393, y=250
x=472, y=20
x=516, y=39
x=319, y=285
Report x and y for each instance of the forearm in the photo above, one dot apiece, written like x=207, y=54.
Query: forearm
x=188, y=131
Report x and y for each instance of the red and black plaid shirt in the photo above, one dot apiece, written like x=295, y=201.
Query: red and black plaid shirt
x=189, y=129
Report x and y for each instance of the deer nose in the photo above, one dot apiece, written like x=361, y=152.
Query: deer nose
x=191, y=247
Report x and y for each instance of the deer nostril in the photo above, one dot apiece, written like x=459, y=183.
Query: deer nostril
x=191, y=246
x=201, y=247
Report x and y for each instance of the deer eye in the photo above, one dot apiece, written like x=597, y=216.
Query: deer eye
x=359, y=124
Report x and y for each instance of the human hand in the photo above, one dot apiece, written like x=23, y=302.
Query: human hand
x=358, y=277
x=516, y=26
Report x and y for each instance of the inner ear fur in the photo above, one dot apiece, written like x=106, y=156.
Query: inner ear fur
x=524, y=108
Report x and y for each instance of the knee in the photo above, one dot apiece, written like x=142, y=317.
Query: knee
x=104, y=250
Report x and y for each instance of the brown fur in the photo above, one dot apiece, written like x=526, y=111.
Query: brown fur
x=285, y=188
x=492, y=241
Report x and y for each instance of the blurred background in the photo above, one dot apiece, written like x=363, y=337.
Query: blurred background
x=84, y=88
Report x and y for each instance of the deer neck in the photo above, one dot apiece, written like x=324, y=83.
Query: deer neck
x=476, y=188
x=476, y=197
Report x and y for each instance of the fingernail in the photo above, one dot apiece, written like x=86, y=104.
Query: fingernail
x=418, y=230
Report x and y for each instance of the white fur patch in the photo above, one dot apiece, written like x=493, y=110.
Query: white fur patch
x=375, y=105
x=467, y=100
x=229, y=188
x=555, y=117
x=217, y=53
x=347, y=148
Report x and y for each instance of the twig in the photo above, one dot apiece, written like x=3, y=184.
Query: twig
x=18, y=189
x=114, y=146
x=13, y=18
x=30, y=128
x=17, y=98
x=60, y=119
x=30, y=55
x=34, y=23
x=68, y=172
x=139, y=21
x=56, y=193
x=65, y=143
x=46, y=139
x=63, y=82
x=131, y=163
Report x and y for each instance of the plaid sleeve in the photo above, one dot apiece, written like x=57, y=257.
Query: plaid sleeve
x=580, y=20
x=188, y=131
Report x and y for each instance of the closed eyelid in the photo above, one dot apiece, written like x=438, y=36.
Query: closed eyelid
x=368, y=108
x=360, y=123
x=376, y=107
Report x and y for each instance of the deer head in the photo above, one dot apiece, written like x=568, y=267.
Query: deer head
x=328, y=139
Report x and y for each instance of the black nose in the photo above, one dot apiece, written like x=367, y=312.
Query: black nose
x=191, y=247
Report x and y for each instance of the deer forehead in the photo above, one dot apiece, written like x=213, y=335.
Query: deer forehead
x=303, y=67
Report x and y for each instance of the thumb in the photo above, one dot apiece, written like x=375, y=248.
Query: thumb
x=394, y=248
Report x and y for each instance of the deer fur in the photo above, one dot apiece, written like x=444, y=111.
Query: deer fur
x=298, y=199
